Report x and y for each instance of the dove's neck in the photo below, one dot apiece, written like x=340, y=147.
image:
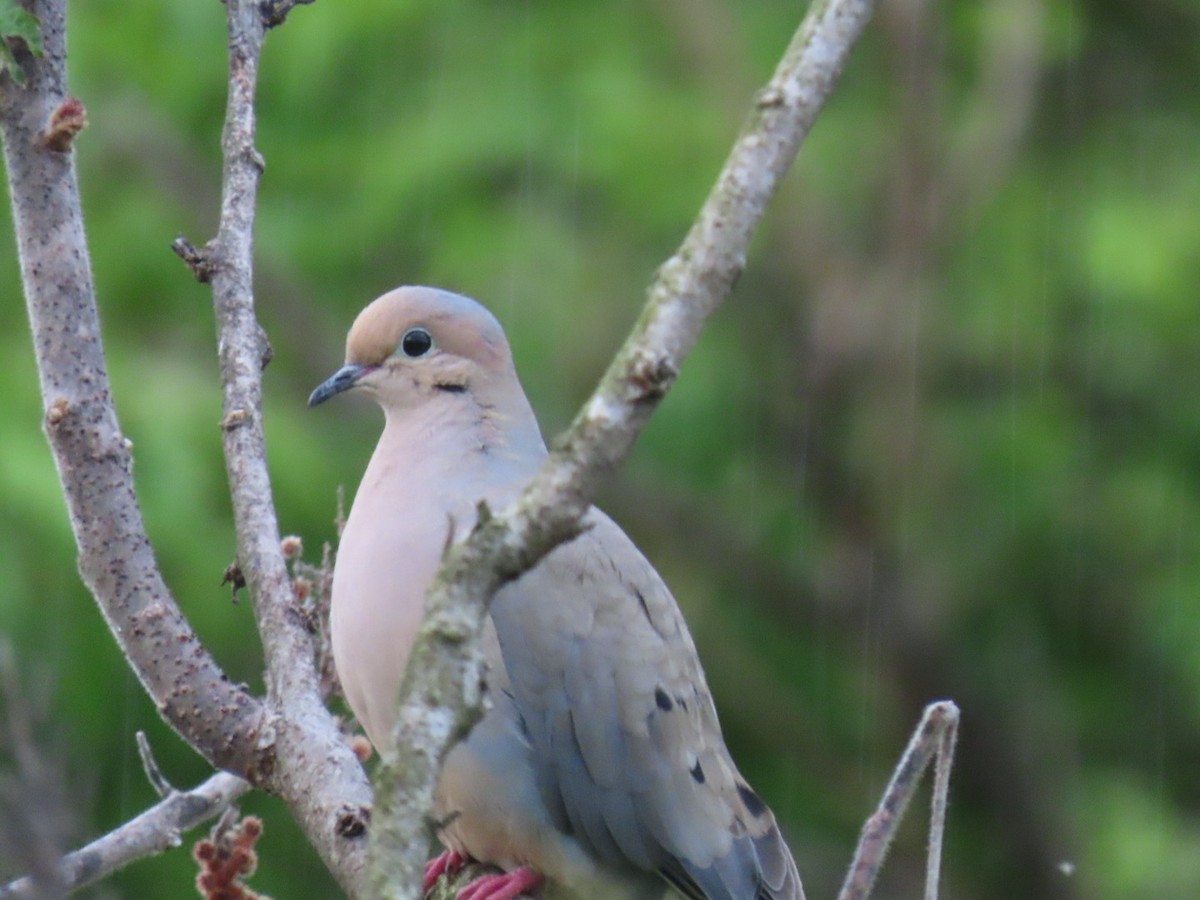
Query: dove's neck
x=461, y=449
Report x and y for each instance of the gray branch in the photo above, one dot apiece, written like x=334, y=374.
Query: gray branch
x=221, y=720
x=155, y=831
x=439, y=696
x=290, y=745
x=315, y=771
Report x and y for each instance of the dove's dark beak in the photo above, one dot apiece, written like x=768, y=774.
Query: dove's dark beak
x=342, y=380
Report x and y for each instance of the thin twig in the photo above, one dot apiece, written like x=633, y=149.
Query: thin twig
x=933, y=737
x=154, y=774
x=948, y=714
x=155, y=831
x=438, y=695
x=316, y=773
x=242, y=345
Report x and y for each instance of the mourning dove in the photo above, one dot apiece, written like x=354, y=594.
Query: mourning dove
x=600, y=764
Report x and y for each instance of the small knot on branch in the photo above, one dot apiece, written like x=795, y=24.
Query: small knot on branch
x=234, y=419
x=68, y=119
x=651, y=377
x=352, y=821
x=770, y=98
x=257, y=160
x=57, y=412
x=199, y=260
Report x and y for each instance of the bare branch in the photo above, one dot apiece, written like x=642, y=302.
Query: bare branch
x=221, y=720
x=933, y=739
x=439, y=692
x=155, y=831
x=315, y=772
x=292, y=746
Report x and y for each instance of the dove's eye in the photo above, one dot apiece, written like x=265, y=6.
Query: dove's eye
x=416, y=342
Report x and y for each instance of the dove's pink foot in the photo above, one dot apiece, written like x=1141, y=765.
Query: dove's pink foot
x=447, y=863
x=502, y=887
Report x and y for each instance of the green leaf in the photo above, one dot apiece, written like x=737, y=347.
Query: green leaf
x=17, y=24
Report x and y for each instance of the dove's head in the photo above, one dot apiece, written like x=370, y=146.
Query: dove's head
x=416, y=345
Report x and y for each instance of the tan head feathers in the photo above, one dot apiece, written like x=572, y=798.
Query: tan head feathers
x=437, y=339
x=457, y=324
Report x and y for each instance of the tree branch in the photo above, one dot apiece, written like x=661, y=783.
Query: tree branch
x=155, y=831
x=439, y=697
x=290, y=745
x=116, y=562
x=315, y=771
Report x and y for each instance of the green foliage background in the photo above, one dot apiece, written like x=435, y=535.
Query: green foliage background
x=944, y=440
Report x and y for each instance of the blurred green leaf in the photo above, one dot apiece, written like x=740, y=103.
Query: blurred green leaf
x=17, y=24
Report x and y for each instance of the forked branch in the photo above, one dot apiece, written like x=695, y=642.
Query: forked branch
x=290, y=743
x=94, y=458
x=932, y=741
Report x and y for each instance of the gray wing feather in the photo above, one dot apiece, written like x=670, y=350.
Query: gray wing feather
x=625, y=737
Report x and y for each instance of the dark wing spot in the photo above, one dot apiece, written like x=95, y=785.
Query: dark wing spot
x=753, y=802
x=451, y=388
x=663, y=701
x=698, y=772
